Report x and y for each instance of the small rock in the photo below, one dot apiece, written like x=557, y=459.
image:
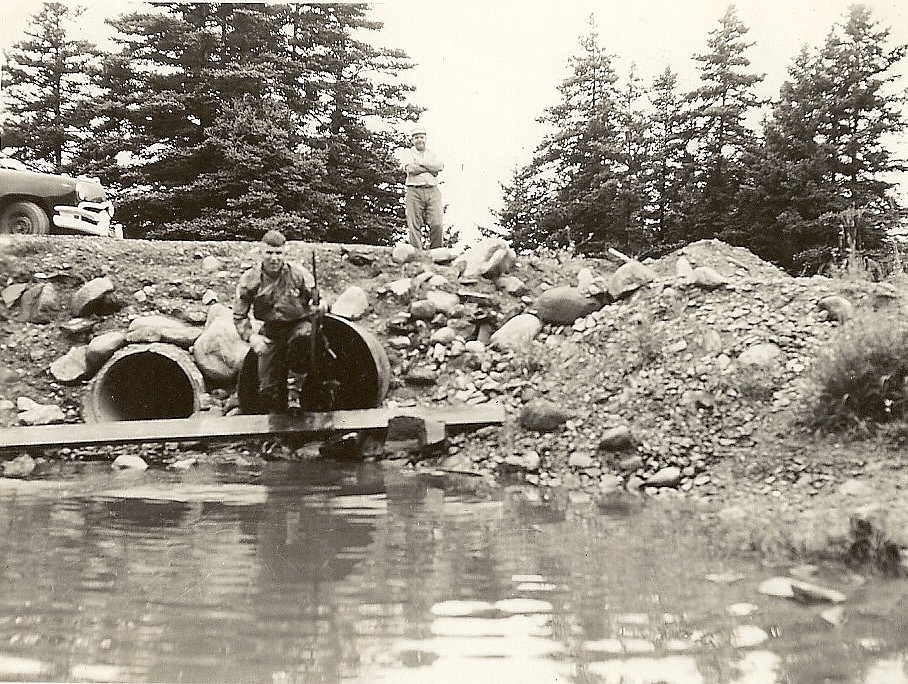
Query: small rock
x=490, y=258
x=629, y=277
x=474, y=347
x=741, y=609
x=103, y=347
x=580, y=460
x=443, y=301
x=776, y=586
x=210, y=264
x=512, y=285
x=78, y=326
x=130, y=462
x=670, y=476
x=805, y=592
x=401, y=286
x=724, y=577
x=745, y=636
x=683, y=269
x=543, y=416
x=854, y=487
x=399, y=342
x=403, y=253
x=837, y=308
x=12, y=293
x=441, y=255
x=835, y=616
x=707, y=278
x=712, y=342
x=420, y=377
x=444, y=335
x=423, y=310
x=38, y=303
x=617, y=438
x=564, y=305
x=21, y=466
x=761, y=355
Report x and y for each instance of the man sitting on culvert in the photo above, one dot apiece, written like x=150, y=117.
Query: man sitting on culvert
x=281, y=294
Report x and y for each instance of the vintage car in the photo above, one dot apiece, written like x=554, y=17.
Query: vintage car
x=39, y=203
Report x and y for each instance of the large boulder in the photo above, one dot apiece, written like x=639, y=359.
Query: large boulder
x=351, y=304
x=403, y=253
x=91, y=296
x=103, y=347
x=491, y=258
x=38, y=303
x=516, y=332
x=564, y=305
x=707, y=278
x=443, y=301
x=158, y=328
x=219, y=351
x=71, y=367
x=11, y=293
x=629, y=277
x=33, y=413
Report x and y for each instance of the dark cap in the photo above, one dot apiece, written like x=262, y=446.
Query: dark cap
x=274, y=238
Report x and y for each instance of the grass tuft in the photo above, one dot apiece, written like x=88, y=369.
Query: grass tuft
x=862, y=379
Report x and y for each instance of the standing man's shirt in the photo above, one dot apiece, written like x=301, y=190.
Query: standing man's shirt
x=426, y=158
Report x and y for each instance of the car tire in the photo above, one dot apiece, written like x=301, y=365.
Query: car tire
x=24, y=218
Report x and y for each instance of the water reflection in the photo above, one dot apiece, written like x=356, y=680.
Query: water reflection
x=314, y=573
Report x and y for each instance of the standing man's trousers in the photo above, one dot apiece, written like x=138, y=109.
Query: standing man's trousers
x=424, y=208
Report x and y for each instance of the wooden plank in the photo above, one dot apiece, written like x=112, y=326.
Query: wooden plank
x=201, y=427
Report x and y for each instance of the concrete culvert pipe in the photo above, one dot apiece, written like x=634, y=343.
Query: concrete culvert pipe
x=145, y=382
x=358, y=368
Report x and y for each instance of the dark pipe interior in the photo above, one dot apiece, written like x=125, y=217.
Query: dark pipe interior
x=361, y=377
x=145, y=386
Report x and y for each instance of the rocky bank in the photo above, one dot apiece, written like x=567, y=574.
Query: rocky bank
x=681, y=378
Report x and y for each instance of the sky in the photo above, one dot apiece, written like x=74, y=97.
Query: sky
x=486, y=71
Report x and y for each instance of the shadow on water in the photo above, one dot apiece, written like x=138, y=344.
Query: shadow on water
x=315, y=572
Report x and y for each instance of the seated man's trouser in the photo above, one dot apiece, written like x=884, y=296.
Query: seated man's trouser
x=275, y=363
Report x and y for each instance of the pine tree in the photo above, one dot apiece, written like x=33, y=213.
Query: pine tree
x=348, y=86
x=188, y=78
x=817, y=184
x=575, y=171
x=719, y=129
x=47, y=85
x=667, y=157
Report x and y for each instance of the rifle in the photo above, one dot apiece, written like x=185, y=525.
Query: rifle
x=318, y=345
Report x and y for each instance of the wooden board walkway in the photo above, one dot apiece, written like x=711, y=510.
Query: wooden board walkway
x=229, y=427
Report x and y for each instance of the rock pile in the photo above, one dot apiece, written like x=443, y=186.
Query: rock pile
x=641, y=374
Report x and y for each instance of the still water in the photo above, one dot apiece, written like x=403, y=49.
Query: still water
x=320, y=573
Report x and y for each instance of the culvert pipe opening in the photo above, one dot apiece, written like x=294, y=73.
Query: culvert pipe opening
x=356, y=368
x=145, y=382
